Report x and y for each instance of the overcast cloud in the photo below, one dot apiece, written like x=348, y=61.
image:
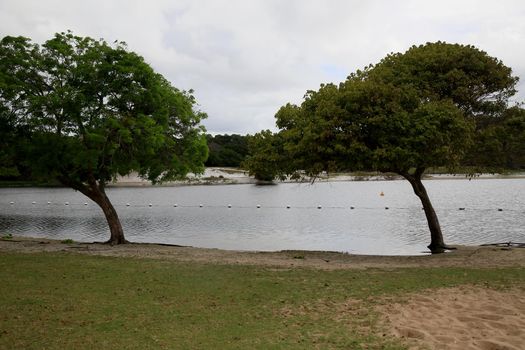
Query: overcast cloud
x=246, y=58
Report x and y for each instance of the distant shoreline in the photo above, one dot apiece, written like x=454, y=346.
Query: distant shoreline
x=234, y=176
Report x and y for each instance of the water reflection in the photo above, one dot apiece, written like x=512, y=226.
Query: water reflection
x=369, y=228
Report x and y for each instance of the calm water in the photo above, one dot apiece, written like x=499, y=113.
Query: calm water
x=367, y=229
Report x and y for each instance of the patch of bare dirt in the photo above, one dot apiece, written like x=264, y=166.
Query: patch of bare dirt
x=460, y=318
x=462, y=257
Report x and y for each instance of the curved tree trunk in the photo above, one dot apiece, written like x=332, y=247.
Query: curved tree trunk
x=437, y=245
x=115, y=228
x=96, y=192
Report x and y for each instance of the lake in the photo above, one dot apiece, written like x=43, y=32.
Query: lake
x=319, y=216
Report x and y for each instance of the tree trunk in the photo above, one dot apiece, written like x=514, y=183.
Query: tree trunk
x=437, y=245
x=96, y=192
x=115, y=228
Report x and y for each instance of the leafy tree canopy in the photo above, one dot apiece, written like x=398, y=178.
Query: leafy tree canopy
x=475, y=82
x=416, y=109
x=500, y=144
x=266, y=160
x=8, y=166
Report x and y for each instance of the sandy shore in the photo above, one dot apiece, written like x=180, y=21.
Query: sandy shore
x=454, y=318
x=464, y=256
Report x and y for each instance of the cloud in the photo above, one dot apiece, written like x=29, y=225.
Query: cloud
x=246, y=58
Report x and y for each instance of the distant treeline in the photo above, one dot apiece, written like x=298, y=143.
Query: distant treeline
x=226, y=150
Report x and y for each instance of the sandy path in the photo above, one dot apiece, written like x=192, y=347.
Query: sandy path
x=461, y=319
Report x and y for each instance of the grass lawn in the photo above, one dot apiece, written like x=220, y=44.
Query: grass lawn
x=70, y=301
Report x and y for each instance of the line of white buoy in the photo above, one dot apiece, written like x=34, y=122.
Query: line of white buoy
x=258, y=206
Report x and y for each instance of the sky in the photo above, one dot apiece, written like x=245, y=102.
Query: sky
x=246, y=58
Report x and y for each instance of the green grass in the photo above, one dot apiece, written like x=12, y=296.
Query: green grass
x=68, y=301
x=7, y=236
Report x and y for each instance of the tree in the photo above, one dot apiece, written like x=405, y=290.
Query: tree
x=91, y=111
x=409, y=112
x=265, y=161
